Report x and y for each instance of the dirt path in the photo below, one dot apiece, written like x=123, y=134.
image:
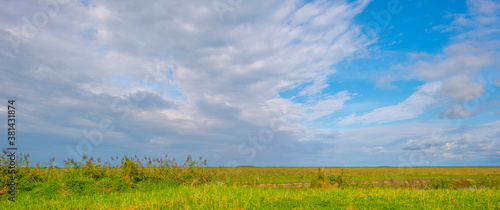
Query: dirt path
x=410, y=183
x=286, y=184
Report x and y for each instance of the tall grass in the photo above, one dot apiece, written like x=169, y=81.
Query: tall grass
x=92, y=175
x=323, y=179
x=135, y=183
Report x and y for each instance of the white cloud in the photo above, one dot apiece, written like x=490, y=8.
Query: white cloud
x=465, y=146
x=319, y=83
x=211, y=83
x=418, y=143
x=374, y=149
x=470, y=53
x=296, y=116
x=326, y=106
x=175, y=70
x=459, y=111
x=480, y=21
x=385, y=82
x=426, y=98
x=461, y=89
x=461, y=58
x=484, y=7
x=457, y=69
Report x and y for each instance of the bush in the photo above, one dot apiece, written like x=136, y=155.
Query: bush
x=441, y=184
x=91, y=175
x=324, y=180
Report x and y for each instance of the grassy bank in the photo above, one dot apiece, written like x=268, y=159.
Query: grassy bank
x=158, y=183
x=237, y=197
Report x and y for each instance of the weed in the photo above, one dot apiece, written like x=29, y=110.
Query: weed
x=325, y=180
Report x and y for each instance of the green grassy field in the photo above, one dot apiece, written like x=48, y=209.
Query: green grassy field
x=146, y=183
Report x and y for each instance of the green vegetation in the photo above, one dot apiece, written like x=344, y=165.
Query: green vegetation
x=160, y=183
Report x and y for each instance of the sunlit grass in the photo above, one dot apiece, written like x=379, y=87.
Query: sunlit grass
x=237, y=197
x=160, y=183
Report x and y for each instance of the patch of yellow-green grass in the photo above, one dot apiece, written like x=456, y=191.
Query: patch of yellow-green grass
x=159, y=183
x=213, y=196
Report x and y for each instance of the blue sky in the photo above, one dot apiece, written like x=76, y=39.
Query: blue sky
x=264, y=83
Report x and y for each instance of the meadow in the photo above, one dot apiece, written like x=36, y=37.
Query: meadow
x=161, y=183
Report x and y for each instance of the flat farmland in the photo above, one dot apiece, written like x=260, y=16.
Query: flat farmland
x=164, y=184
x=250, y=175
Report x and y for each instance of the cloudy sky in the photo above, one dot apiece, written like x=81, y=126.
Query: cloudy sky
x=264, y=83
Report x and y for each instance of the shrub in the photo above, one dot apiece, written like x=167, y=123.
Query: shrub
x=92, y=175
x=324, y=180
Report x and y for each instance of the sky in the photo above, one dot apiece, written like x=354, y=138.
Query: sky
x=262, y=83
